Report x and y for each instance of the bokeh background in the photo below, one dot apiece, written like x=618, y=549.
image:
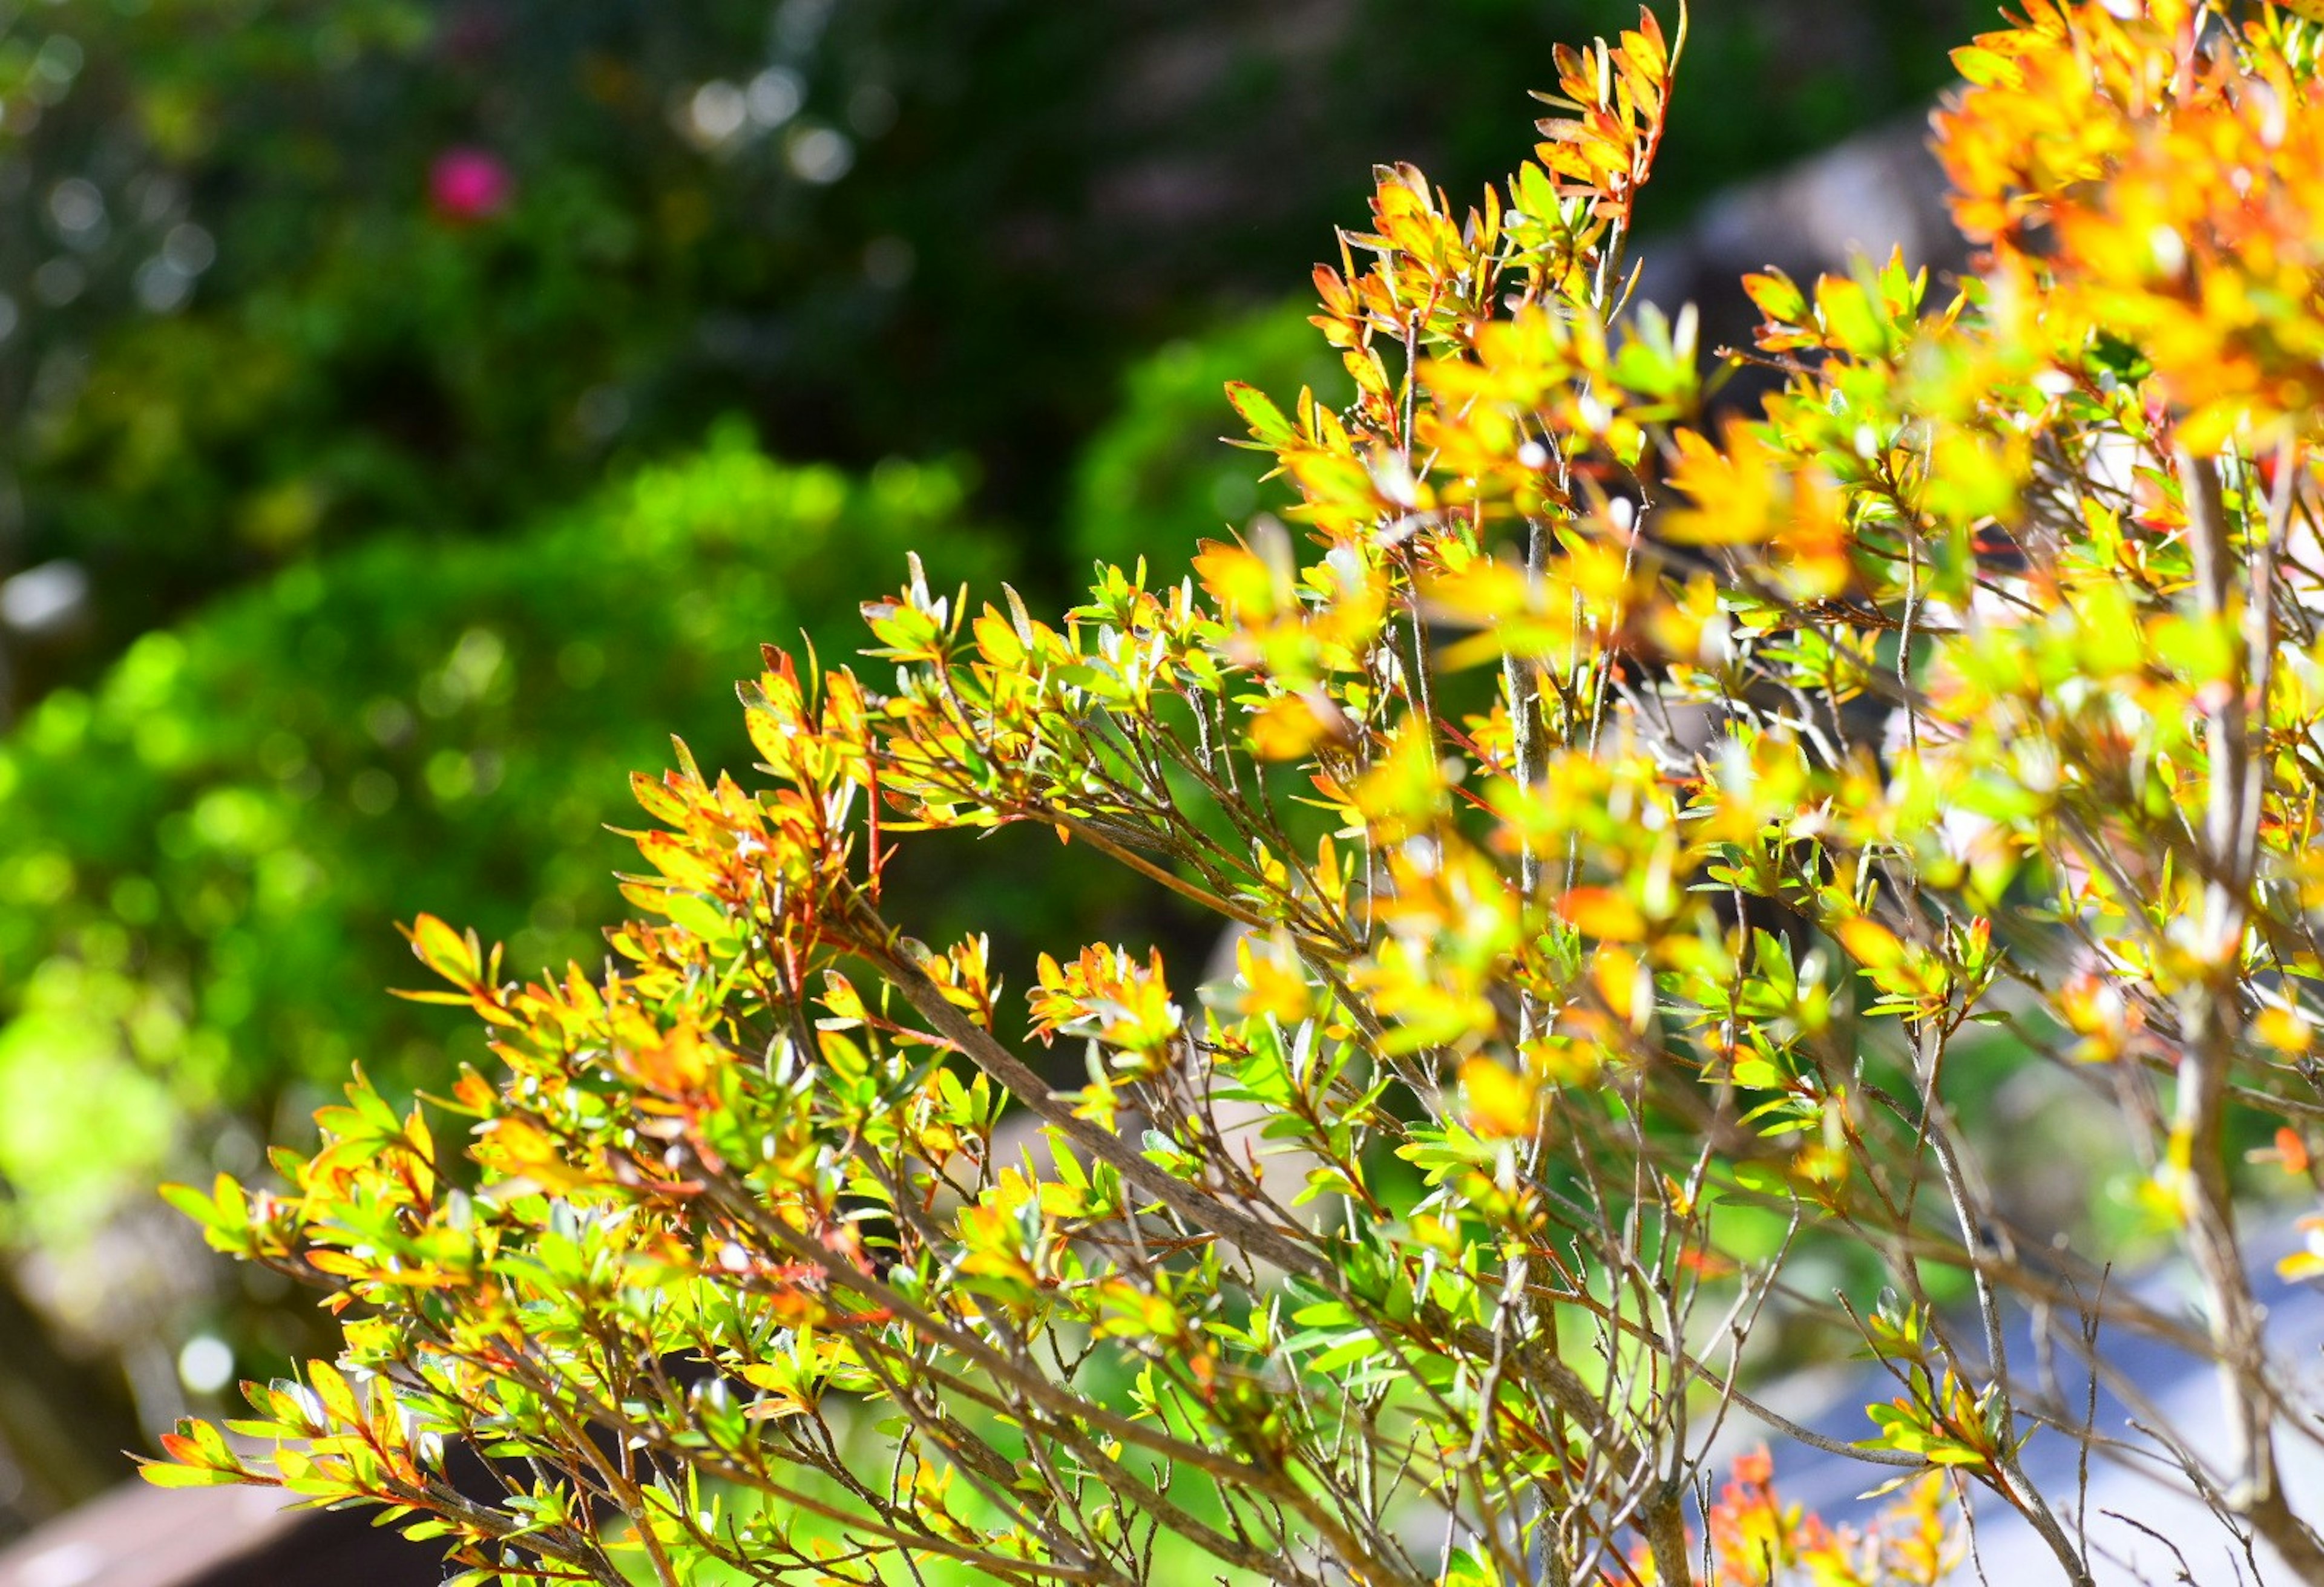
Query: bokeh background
x=413, y=412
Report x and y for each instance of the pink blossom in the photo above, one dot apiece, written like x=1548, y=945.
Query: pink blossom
x=469, y=185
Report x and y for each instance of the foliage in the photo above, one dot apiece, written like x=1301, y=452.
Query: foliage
x=261, y=311
x=1758, y=1540
x=250, y=307
x=1154, y=482
x=1625, y=827
x=197, y=858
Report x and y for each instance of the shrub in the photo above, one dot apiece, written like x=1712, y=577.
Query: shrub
x=1627, y=830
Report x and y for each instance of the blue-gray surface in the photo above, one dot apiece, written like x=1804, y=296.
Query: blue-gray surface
x=2181, y=1390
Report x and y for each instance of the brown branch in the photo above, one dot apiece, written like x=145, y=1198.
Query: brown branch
x=2211, y=1009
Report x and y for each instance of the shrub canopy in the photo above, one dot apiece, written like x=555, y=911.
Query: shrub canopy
x=1630, y=833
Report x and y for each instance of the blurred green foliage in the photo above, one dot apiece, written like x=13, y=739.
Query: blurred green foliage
x=201, y=859
x=1156, y=481
x=248, y=319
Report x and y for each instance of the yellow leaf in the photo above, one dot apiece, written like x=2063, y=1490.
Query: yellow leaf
x=1239, y=580
x=444, y=950
x=996, y=640
x=1777, y=297
x=676, y=1066
x=1500, y=1101
x=2283, y=1029
x=1270, y=987
x=1870, y=943
x=1286, y=728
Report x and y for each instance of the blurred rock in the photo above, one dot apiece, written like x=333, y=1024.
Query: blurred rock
x=45, y=600
x=1878, y=192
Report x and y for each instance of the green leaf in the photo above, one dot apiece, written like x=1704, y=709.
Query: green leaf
x=167, y=1474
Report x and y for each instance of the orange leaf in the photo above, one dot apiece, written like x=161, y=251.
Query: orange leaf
x=1604, y=914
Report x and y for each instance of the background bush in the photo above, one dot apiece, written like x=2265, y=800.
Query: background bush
x=1156, y=481
x=246, y=326
x=204, y=855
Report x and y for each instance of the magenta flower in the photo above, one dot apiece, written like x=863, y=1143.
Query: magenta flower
x=468, y=185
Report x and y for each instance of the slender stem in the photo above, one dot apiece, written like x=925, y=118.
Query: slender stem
x=1522, y=676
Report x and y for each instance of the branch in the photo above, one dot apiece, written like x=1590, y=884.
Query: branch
x=2211, y=1009
x=973, y=1040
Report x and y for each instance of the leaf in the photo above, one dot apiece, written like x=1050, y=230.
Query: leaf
x=1267, y=425
x=1603, y=913
x=1286, y=728
x=164, y=1474
x=1778, y=297
x=1870, y=944
x=1500, y=1103
x=452, y=956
